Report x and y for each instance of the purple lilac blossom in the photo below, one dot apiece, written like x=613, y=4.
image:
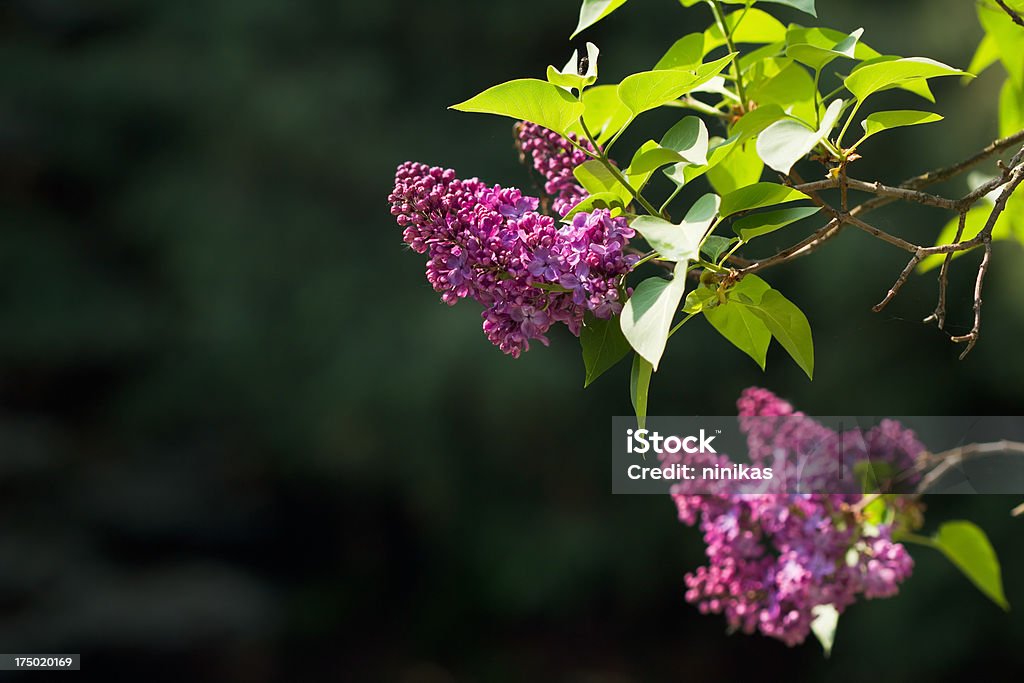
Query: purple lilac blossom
x=774, y=557
x=554, y=157
x=490, y=244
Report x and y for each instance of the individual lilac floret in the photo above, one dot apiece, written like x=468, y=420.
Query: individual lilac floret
x=490, y=244
x=554, y=157
x=774, y=557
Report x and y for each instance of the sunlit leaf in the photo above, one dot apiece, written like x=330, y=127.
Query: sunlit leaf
x=680, y=242
x=528, y=99
x=569, y=76
x=757, y=224
x=789, y=326
x=593, y=11
x=685, y=53
x=603, y=112
x=785, y=142
x=884, y=120
x=758, y=195
x=816, y=49
x=740, y=168
x=742, y=327
x=647, y=316
x=969, y=549
x=597, y=179
x=882, y=75
x=647, y=90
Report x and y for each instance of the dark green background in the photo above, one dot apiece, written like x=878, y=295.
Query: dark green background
x=241, y=439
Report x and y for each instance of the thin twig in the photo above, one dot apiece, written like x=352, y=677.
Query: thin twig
x=939, y=315
x=972, y=337
x=954, y=457
x=879, y=189
x=1013, y=14
x=898, y=285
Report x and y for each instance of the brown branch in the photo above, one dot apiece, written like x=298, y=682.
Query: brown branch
x=939, y=315
x=954, y=457
x=1013, y=14
x=881, y=234
x=802, y=248
x=972, y=337
x=898, y=285
x=881, y=190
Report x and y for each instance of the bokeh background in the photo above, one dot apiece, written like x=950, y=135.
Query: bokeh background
x=241, y=439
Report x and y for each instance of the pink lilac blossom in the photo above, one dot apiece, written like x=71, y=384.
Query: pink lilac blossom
x=774, y=557
x=555, y=157
x=490, y=244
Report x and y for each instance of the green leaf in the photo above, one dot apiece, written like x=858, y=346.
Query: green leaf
x=599, y=200
x=639, y=386
x=528, y=99
x=687, y=141
x=636, y=177
x=603, y=346
x=785, y=142
x=969, y=549
x=593, y=11
x=757, y=195
x=757, y=27
x=882, y=75
x=679, y=243
x=740, y=168
x=805, y=6
x=647, y=315
x=742, y=327
x=696, y=300
x=597, y=179
x=816, y=49
x=884, y=120
x=647, y=90
x=750, y=290
x=714, y=246
x=1007, y=37
x=802, y=5
x=826, y=619
x=685, y=53
x=755, y=121
x=763, y=223
x=1011, y=109
x=789, y=326
x=603, y=112
x=985, y=56
x=786, y=84
x=569, y=76
x=689, y=137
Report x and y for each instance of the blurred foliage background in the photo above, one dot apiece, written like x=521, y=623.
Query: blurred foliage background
x=241, y=439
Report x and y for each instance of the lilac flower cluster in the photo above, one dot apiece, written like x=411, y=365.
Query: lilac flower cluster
x=774, y=557
x=490, y=244
x=554, y=157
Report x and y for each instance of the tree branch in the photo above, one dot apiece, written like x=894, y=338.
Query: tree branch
x=954, y=457
x=1013, y=14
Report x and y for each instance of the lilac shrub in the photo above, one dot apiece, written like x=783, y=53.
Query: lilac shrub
x=491, y=244
x=554, y=157
x=774, y=557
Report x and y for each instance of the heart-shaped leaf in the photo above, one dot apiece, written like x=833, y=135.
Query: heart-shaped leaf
x=528, y=99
